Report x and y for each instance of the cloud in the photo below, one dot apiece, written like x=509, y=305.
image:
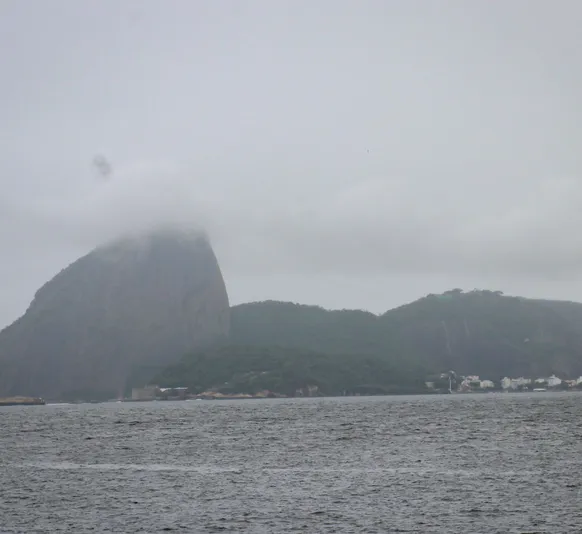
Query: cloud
x=400, y=145
x=397, y=227
x=368, y=227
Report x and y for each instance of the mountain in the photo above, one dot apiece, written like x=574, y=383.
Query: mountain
x=157, y=307
x=476, y=332
x=488, y=334
x=115, y=317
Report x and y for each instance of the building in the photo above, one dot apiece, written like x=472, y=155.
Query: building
x=469, y=383
x=144, y=394
x=554, y=381
x=173, y=393
x=551, y=382
x=515, y=383
x=487, y=384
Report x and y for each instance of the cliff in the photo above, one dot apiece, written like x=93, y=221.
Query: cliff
x=115, y=317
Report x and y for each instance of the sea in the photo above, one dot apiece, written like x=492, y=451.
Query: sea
x=491, y=463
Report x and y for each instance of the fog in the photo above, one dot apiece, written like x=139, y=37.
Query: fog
x=348, y=154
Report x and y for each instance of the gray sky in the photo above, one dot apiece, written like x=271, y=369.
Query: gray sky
x=344, y=153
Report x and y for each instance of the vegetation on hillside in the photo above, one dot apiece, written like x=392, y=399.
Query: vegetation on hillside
x=297, y=325
x=283, y=347
x=477, y=332
x=488, y=334
x=251, y=369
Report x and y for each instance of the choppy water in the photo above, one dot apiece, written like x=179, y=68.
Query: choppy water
x=450, y=464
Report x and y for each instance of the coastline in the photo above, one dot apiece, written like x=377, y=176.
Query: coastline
x=22, y=401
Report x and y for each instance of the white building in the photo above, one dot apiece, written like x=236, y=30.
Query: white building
x=554, y=381
x=487, y=384
x=469, y=383
x=515, y=383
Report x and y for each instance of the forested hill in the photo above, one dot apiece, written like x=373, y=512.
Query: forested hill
x=272, y=323
x=476, y=332
x=285, y=370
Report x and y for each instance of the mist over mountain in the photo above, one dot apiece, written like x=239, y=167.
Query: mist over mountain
x=115, y=316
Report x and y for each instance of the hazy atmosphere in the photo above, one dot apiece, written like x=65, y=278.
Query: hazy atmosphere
x=341, y=153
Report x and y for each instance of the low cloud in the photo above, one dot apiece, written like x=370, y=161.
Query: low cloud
x=368, y=227
x=403, y=148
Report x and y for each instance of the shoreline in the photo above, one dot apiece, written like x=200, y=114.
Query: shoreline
x=22, y=401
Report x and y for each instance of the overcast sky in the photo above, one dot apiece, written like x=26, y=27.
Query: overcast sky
x=344, y=153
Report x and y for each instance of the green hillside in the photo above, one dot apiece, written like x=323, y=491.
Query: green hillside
x=477, y=332
x=251, y=369
x=311, y=327
x=486, y=333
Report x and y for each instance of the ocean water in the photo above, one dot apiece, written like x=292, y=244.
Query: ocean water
x=451, y=464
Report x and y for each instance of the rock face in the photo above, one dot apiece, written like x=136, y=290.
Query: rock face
x=114, y=317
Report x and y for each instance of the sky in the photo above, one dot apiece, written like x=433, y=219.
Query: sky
x=341, y=153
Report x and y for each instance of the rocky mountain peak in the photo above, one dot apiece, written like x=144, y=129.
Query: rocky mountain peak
x=115, y=315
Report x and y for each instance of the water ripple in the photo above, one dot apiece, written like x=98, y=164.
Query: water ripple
x=451, y=464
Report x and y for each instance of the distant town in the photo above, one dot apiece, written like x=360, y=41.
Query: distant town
x=448, y=382
x=442, y=383
x=451, y=382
